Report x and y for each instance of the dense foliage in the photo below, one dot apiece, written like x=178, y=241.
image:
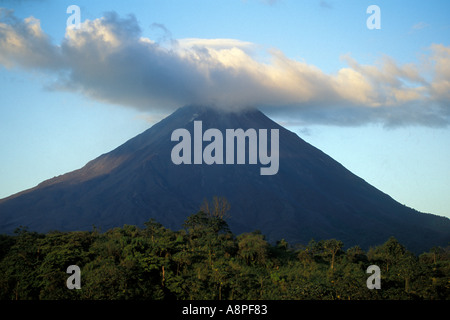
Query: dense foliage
x=206, y=261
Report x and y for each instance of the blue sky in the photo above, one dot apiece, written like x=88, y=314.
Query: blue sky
x=375, y=100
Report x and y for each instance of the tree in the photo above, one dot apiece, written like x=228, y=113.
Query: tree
x=19, y=267
x=211, y=218
x=406, y=268
x=206, y=261
x=389, y=252
x=330, y=249
x=218, y=208
x=253, y=248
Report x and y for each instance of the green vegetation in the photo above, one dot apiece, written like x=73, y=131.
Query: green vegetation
x=206, y=261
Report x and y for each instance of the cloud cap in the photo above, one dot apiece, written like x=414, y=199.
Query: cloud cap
x=109, y=60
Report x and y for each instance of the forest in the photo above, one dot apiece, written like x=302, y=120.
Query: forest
x=206, y=261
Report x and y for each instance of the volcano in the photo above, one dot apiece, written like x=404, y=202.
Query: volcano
x=311, y=196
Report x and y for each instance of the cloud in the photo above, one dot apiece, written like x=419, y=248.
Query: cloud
x=270, y=2
x=24, y=43
x=420, y=25
x=266, y=2
x=440, y=87
x=109, y=60
x=325, y=4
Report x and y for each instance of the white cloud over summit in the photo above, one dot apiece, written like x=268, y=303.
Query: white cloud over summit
x=109, y=60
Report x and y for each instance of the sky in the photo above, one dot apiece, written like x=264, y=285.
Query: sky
x=376, y=100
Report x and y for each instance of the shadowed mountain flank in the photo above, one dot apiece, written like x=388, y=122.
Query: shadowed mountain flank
x=311, y=197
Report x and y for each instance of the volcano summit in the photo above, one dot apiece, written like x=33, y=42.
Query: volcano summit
x=213, y=153
x=310, y=197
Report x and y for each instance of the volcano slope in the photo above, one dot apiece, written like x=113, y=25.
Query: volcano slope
x=311, y=196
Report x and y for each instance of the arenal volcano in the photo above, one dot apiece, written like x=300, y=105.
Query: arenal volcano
x=311, y=197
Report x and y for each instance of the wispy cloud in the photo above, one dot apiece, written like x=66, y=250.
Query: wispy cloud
x=420, y=25
x=325, y=4
x=269, y=2
x=109, y=60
